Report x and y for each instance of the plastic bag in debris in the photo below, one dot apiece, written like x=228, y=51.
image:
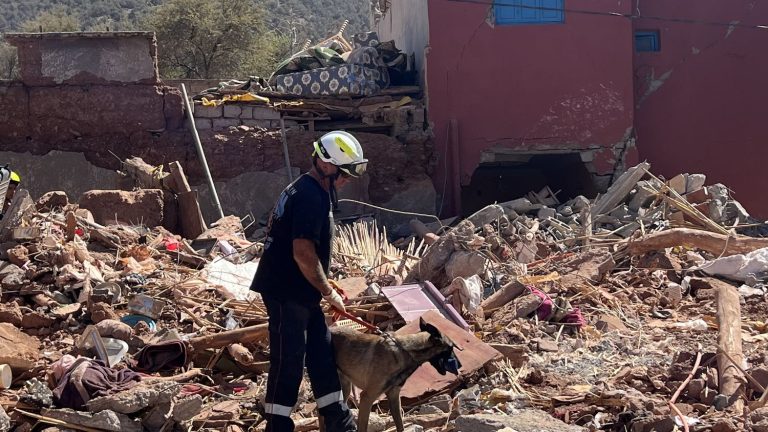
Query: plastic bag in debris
x=470, y=291
x=739, y=267
x=233, y=281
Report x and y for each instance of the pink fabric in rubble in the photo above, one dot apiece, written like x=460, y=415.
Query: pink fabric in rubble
x=574, y=316
x=545, y=308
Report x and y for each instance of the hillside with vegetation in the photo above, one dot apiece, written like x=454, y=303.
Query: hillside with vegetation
x=196, y=38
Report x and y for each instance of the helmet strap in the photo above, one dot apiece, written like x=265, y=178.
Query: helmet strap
x=334, y=194
x=332, y=187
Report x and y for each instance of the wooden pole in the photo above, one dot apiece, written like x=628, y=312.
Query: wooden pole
x=506, y=294
x=200, y=151
x=711, y=242
x=223, y=339
x=729, y=341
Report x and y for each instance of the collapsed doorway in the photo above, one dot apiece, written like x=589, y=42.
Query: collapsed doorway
x=493, y=182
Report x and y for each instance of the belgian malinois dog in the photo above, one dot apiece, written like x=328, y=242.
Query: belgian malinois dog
x=380, y=364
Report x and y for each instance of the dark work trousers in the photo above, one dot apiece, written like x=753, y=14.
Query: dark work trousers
x=297, y=332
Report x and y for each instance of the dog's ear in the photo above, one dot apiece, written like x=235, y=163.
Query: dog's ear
x=429, y=328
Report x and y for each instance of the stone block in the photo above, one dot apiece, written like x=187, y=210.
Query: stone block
x=17, y=349
x=264, y=113
x=224, y=123
x=258, y=123
x=143, y=207
x=203, y=124
x=678, y=183
x=246, y=112
x=209, y=111
x=698, y=196
x=695, y=182
x=608, y=323
x=232, y=111
x=546, y=213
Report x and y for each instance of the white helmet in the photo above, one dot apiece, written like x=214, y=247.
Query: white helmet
x=343, y=150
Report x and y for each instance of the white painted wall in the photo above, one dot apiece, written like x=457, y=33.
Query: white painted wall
x=407, y=23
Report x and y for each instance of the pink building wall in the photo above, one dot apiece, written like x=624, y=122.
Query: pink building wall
x=527, y=88
x=702, y=100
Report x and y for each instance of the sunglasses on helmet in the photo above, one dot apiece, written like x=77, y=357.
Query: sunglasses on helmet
x=353, y=170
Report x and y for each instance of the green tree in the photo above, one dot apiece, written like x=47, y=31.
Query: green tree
x=56, y=19
x=214, y=39
x=9, y=62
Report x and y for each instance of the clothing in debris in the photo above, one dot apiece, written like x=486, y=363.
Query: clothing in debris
x=83, y=379
x=164, y=356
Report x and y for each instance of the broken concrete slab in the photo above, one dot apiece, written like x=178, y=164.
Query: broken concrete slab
x=18, y=350
x=619, y=190
x=10, y=313
x=137, y=398
x=524, y=421
x=141, y=207
x=104, y=420
x=37, y=320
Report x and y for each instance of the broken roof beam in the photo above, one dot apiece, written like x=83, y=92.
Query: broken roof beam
x=619, y=190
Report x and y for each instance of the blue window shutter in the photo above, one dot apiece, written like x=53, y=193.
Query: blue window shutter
x=505, y=12
x=528, y=11
x=647, y=41
x=550, y=15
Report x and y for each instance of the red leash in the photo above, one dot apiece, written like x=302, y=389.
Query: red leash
x=360, y=321
x=348, y=315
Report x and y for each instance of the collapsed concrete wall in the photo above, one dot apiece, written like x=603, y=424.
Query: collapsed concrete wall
x=71, y=135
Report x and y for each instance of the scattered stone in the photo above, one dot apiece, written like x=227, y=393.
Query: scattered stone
x=37, y=320
x=18, y=255
x=759, y=373
x=607, y=323
x=103, y=420
x=10, y=313
x=101, y=312
x=725, y=425
x=658, y=423
x=114, y=329
x=523, y=421
x=141, y=207
x=695, y=386
x=546, y=345
x=759, y=415
x=52, y=200
x=36, y=393
x=17, y=349
x=137, y=398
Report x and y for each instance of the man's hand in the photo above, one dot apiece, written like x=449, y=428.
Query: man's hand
x=334, y=299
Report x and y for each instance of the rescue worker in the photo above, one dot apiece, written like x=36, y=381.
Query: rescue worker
x=13, y=184
x=292, y=280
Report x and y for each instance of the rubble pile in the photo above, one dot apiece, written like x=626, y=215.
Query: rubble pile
x=642, y=309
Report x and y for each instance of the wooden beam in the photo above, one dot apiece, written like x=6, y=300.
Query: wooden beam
x=192, y=222
x=619, y=189
x=506, y=294
x=711, y=242
x=223, y=339
x=729, y=341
